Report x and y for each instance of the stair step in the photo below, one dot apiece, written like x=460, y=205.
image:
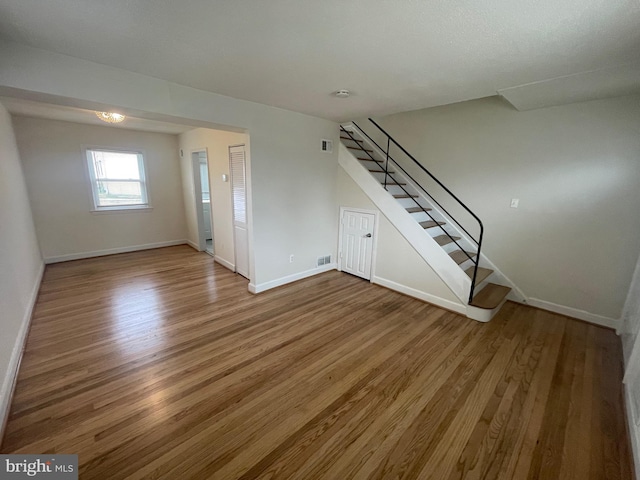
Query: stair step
x=490, y=296
x=360, y=149
x=417, y=209
x=382, y=171
x=459, y=256
x=483, y=273
x=431, y=224
x=400, y=196
x=370, y=160
x=352, y=139
x=443, y=240
x=392, y=184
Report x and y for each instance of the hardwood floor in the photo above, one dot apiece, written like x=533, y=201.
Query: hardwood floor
x=160, y=364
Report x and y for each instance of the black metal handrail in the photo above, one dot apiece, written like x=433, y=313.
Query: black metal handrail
x=389, y=157
x=415, y=181
x=388, y=174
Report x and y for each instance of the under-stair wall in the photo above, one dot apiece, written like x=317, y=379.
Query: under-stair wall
x=397, y=265
x=439, y=238
x=426, y=247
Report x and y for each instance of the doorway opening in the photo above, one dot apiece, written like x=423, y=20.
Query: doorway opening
x=203, y=200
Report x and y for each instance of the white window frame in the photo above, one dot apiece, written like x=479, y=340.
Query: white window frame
x=93, y=180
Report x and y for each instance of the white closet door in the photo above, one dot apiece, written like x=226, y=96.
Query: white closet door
x=237, y=161
x=357, y=243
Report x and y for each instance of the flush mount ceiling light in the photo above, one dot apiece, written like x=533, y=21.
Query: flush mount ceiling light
x=110, y=117
x=342, y=93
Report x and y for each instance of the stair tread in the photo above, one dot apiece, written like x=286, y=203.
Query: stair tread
x=430, y=224
x=443, y=240
x=405, y=196
x=459, y=256
x=370, y=160
x=360, y=148
x=483, y=273
x=393, y=183
x=352, y=139
x=417, y=209
x=490, y=296
x=381, y=171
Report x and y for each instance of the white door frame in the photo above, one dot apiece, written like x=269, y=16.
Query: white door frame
x=197, y=189
x=374, y=246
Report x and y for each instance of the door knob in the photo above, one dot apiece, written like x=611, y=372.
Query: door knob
x=368, y=235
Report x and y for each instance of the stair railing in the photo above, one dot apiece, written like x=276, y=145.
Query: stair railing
x=389, y=175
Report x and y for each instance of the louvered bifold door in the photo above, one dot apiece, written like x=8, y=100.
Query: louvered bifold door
x=237, y=163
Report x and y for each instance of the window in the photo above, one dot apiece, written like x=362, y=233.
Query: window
x=117, y=179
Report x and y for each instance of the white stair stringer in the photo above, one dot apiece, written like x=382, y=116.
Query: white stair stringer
x=496, y=277
x=483, y=314
x=439, y=260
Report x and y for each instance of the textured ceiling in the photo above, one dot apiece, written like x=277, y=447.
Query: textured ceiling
x=393, y=55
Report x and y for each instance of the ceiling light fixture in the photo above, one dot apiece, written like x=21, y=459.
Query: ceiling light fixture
x=110, y=117
x=342, y=93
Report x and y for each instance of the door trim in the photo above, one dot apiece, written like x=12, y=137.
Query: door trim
x=374, y=246
x=197, y=191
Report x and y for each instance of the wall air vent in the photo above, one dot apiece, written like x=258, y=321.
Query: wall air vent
x=324, y=260
x=326, y=146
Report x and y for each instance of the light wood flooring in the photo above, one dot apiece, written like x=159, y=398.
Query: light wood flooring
x=160, y=364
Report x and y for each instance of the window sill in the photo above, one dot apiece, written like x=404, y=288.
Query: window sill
x=141, y=209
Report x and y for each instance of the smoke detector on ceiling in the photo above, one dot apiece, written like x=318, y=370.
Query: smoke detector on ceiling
x=342, y=93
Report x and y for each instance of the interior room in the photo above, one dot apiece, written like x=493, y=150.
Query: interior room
x=233, y=247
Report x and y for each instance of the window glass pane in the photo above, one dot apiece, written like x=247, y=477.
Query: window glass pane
x=116, y=165
x=119, y=193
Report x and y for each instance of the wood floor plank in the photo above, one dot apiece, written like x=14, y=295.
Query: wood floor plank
x=160, y=364
x=484, y=452
x=548, y=454
x=575, y=451
x=414, y=448
x=534, y=410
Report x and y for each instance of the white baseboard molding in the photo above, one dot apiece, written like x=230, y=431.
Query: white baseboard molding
x=261, y=287
x=11, y=375
x=193, y=245
x=634, y=431
x=574, y=313
x=224, y=263
x=113, y=251
x=420, y=295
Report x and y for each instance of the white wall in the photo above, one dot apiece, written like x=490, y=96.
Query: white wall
x=293, y=182
x=397, y=264
x=217, y=143
x=631, y=347
x=630, y=326
x=293, y=188
x=56, y=176
x=575, y=238
x=20, y=262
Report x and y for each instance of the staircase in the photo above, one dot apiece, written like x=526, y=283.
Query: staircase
x=442, y=229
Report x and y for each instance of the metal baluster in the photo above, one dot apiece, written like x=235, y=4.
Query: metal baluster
x=386, y=165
